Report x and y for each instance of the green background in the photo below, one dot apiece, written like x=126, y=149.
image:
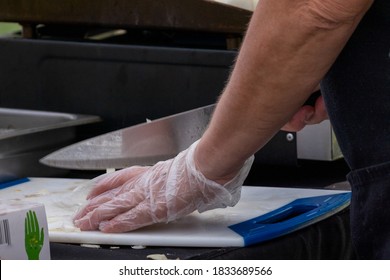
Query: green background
x=6, y=27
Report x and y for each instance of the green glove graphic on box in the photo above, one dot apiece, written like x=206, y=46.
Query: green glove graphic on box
x=33, y=236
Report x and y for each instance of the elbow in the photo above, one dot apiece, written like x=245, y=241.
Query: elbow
x=331, y=14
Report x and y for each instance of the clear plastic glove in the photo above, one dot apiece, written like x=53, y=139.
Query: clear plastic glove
x=139, y=196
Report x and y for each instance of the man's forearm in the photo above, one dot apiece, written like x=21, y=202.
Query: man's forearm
x=288, y=48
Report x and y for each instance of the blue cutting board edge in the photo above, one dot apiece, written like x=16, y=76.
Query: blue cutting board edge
x=290, y=217
x=12, y=183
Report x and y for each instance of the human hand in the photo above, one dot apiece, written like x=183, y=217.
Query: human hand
x=139, y=196
x=33, y=237
x=307, y=115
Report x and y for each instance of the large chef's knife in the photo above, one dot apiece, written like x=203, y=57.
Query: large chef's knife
x=142, y=144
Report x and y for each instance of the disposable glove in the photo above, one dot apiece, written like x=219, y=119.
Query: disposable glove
x=139, y=196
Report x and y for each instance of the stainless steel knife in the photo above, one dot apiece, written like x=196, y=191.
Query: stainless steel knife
x=142, y=144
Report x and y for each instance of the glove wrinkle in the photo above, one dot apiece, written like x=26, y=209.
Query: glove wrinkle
x=136, y=197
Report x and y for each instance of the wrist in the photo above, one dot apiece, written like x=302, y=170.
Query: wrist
x=213, y=165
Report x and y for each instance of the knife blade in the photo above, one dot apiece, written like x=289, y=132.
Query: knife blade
x=142, y=144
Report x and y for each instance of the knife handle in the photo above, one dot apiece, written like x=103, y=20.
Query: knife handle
x=312, y=98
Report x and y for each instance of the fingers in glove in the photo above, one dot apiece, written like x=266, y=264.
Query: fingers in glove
x=105, y=210
x=113, y=180
x=139, y=216
x=94, y=203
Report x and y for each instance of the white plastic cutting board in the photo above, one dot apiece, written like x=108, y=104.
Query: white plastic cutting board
x=62, y=197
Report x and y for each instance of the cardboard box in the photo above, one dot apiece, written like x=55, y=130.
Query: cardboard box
x=23, y=231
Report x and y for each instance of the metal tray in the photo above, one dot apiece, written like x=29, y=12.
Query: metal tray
x=27, y=135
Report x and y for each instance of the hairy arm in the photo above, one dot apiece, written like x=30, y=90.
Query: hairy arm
x=288, y=48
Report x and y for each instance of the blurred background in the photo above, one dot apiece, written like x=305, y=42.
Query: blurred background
x=6, y=28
